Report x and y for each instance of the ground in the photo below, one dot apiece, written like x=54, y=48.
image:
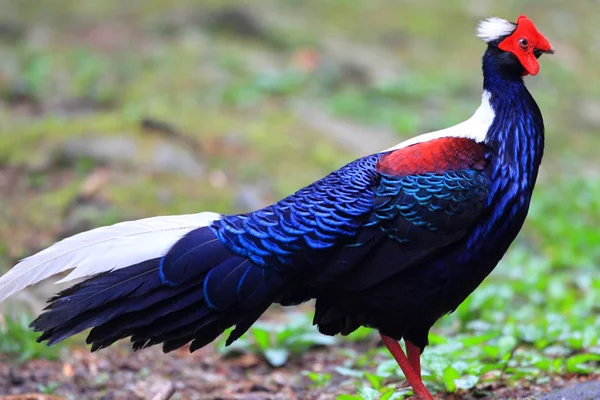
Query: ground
x=205, y=375
x=112, y=111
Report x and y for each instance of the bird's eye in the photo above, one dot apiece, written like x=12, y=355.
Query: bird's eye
x=524, y=43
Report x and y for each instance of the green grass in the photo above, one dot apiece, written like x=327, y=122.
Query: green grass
x=18, y=341
x=536, y=316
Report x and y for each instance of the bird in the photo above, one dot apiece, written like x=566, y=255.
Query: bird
x=391, y=241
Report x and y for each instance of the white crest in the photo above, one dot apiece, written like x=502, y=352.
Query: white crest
x=494, y=28
x=475, y=128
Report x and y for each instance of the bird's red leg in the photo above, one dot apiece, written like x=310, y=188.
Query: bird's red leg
x=412, y=376
x=414, y=356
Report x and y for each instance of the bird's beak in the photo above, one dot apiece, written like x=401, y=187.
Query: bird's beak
x=549, y=51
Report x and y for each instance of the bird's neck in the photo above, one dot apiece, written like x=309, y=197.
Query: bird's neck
x=516, y=141
x=517, y=132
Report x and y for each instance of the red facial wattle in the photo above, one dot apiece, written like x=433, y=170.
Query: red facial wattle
x=522, y=43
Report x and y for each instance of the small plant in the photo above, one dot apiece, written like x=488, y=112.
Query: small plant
x=277, y=341
x=18, y=340
x=317, y=379
x=49, y=388
x=389, y=392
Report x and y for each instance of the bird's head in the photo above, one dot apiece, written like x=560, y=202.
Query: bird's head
x=519, y=45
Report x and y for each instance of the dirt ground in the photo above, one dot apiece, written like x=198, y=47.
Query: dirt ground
x=116, y=373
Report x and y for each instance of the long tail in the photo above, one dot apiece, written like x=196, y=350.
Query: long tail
x=158, y=280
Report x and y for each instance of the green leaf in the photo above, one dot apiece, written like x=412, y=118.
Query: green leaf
x=393, y=394
x=360, y=334
x=368, y=393
x=506, y=344
x=348, y=397
x=386, y=395
x=374, y=380
x=450, y=374
x=317, y=378
x=436, y=339
x=261, y=337
x=577, y=363
x=491, y=367
x=478, y=339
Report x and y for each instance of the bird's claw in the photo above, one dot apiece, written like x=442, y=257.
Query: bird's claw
x=403, y=385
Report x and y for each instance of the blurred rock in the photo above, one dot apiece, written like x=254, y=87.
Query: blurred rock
x=236, y=20
x=168, y=158
x=580, y=391
x=163, y=157
x=251, y=197
x=72, y=107
x=244, y=22
x=11, y=31
x=104, y=150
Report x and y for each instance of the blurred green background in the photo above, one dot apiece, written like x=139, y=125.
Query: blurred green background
x=114, y=110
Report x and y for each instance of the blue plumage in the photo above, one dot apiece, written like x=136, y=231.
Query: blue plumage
x=185, y=259
x=427, y=200
x=304, y=229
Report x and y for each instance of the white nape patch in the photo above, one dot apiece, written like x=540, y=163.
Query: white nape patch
x=103, y=249
x=475, y=128
x=494, y=28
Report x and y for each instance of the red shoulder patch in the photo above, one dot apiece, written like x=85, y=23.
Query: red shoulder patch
x=437, y=155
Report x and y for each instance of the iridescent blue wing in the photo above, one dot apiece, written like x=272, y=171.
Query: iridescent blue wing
x=419, y=216
x=369, y=220
x=308, y=228
x=429, y=197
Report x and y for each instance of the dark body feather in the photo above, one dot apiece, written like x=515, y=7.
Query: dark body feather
x=408, y=303
x=392, y=241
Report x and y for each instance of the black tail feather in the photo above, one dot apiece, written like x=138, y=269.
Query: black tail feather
x=98, y=292
x=245, y=323
x=191, y=295
x=123, y=326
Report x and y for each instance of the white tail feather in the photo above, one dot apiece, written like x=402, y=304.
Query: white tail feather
x=103, y=249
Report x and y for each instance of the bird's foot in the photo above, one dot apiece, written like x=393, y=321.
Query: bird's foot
x=403, y=385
